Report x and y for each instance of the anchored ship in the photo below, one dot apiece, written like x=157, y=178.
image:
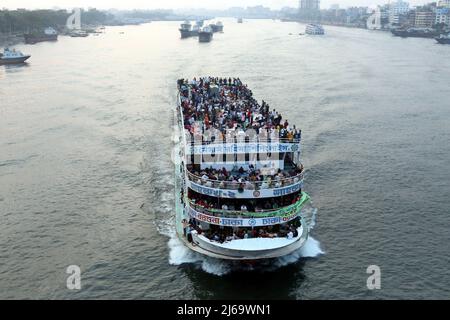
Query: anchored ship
x=314, y=29
x=217, y=27
x=205, y=34
x=238, y=178
x=12, y=56
x=415, y=32
x=185, y=29
x=49, y=34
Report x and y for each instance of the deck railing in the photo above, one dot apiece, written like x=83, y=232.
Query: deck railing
x=246, y=185
x=254, y=214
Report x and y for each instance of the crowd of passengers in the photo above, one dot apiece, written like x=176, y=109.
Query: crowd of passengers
x=228, y=105
x=201, y=201
x=246, y=179
x=225, y=234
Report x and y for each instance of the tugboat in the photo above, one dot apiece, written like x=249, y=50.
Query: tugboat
x=49, y=34
x=205, y=34
x=185, y=30
x=238, y=192
x=443, y=39
x=314, y=29
x=415, y=32
x=12, y=57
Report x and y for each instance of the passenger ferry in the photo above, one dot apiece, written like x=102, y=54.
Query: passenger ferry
x=238, y=180
x=314, y=29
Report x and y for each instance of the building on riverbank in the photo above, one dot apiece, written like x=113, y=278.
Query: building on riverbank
x=309, y=10
x=398, y=10
x=425, y=18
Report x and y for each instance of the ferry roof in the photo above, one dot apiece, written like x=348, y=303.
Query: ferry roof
x=228, y=104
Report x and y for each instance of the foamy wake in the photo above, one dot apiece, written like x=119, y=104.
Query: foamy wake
x=180, y=254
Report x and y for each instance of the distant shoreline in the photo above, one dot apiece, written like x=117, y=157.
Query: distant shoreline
x=329, y=24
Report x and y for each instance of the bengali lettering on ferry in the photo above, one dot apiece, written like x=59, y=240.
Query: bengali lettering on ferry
x=232, y=148
x=240, y=222
x=263, y=193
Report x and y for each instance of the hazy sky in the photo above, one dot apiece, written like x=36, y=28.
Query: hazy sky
x=152, y=4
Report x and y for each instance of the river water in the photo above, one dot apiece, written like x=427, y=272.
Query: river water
x=86, y=176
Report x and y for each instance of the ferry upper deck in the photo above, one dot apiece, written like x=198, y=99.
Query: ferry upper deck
x=232, y=141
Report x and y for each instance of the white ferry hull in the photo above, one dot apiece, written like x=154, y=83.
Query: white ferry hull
x=205, y=247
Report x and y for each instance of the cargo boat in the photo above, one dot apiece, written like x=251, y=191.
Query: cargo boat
x=205, y=34
x=415, y=33
x=185, y=30
x=217, y=27
x=49, y=34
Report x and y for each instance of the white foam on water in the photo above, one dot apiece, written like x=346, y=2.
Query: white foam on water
x=310, y=249
x=180, y=254
x=216, y=267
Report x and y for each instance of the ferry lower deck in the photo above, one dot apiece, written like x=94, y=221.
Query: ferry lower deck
x=248, y=249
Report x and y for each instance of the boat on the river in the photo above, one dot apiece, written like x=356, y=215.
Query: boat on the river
x=314, y=29
x=443, y=38
x=185, y=29
x=205, y=34
x=48, y=34
x=415, y=32
x=217, y=27
x=12, y=56
x=238, y=180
